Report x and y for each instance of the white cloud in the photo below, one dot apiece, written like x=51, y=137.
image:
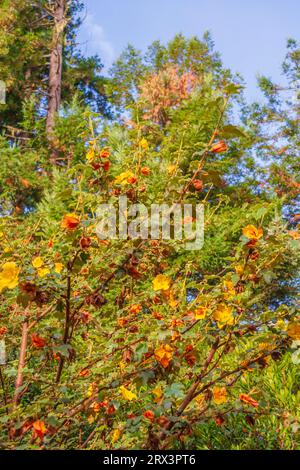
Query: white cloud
x=94, y=41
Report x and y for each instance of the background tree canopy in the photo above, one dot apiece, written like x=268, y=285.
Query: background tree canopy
x=135, y=343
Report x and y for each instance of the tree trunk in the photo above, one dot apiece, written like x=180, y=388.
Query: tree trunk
x=55, y=72
x=22, y=361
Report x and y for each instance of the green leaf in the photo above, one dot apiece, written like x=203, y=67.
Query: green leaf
x=231, y=131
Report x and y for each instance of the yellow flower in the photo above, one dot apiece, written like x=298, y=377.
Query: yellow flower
x=37, y=262
x=200, y=313
x=252, y=232
x=294, y=234
x=91, y=390
x=123, y=177
x=90, y=154
x=219, y=395
x=293, y=330
x=223, y=315
x=144, y=144
x=161, y=282
x=200, y=399
x=158, y=393
x=127, y=394
x=171, y=169
x=281, y=325
x=58, y=267
x=239, y=269
x=116, y=435
x=9, y=276
x=172, y=301
x=229, y=290
x=42, y=272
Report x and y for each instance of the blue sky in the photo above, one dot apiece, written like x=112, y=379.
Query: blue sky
x=250, y=34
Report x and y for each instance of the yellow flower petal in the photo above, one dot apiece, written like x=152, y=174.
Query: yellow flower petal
x=9, y=276
x=144, y=144
x=116, y=435
x=42, y=272
x=223, y=315
x=200, y=313
x=219, y=395
x=171, y=169
x=127, y=394
x=90, y=154
x=293, y=330
x=161, y=282
x=37, y=262
x=252, y=232
x=158, y=393
x=229, y=290
x=58, y=267
x=123, y=177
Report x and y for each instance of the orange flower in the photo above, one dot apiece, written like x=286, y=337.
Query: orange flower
x=70, y=222
x=164, y=355
x=135, y=308
x=198, y=185
x=200, y=313
x=3, y=331
x=219, y=147
x=96, y=406
x=149, y=415
x=104, y=154
x=252, y=232
x=248, y=400
x=84, y=373
x=219, y=395
x=157, y=316
x=37, y=341
x=294, y=234
x=145, y=171
x=296, y=218
x=176, y=322
x=25, y=183
x=132, y=180
x=122, y=321
x=39, y=429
